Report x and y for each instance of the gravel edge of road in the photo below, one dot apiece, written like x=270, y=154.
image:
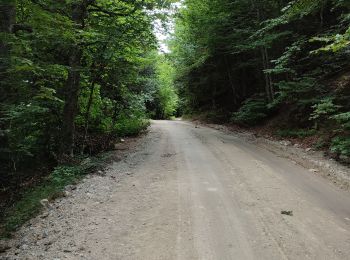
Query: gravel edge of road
x=33, y=240
x=315, y=161
x=125, y=152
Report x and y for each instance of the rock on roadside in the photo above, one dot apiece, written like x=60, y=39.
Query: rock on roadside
x=4, y=246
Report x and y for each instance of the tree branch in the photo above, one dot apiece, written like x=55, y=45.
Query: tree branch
x=21, y=27
x=50, y=9
x=99, y=9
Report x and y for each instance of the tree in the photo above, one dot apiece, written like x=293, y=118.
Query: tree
x=73, y=78
x=248, y=61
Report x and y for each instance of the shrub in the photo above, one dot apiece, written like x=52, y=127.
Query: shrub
x=323, y=109
x=341, y=145
x=131, y=126
x=343, y=119
x=253, y=111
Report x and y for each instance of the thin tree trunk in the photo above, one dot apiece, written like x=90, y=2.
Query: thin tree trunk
x=87, y=114
x=213, y=98
x=267, y=86
x=91, y=95
x=265, y=59
x=244, y=83
x=272, y=91
x=234, y=92
x=268, y=80
x=114, y=121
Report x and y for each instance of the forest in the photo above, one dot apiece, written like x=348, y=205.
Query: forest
x=281, y=64
x=78, y=75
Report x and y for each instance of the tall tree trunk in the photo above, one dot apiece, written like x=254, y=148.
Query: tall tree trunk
x=7, y=21
x=7, y=15
x=265, y=59
x=94, y=80
x=71, y=104
x=72, y=86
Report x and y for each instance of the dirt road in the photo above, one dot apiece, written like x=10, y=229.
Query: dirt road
x=194, y=193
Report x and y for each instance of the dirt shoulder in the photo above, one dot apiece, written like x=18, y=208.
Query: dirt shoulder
x=39, y=233
x=298, y=152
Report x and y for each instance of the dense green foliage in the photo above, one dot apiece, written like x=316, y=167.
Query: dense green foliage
x=255, y=60
x=74, y=76
x=167, y=99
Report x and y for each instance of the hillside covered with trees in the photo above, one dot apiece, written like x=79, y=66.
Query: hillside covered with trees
x=75, y=76
x=282, y=62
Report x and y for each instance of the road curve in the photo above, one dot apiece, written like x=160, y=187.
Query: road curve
x=199, y=193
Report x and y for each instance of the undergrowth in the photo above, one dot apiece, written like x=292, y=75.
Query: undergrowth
x=341, y=145
x=252, y=112
x=50, y=188
x=130, y=126
x=299, y=133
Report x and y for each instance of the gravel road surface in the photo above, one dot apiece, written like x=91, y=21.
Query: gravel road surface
x=189, y=192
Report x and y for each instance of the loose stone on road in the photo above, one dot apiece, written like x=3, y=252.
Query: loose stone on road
x=192, y=192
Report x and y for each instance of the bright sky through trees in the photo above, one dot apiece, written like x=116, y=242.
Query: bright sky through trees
x=164, y=29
